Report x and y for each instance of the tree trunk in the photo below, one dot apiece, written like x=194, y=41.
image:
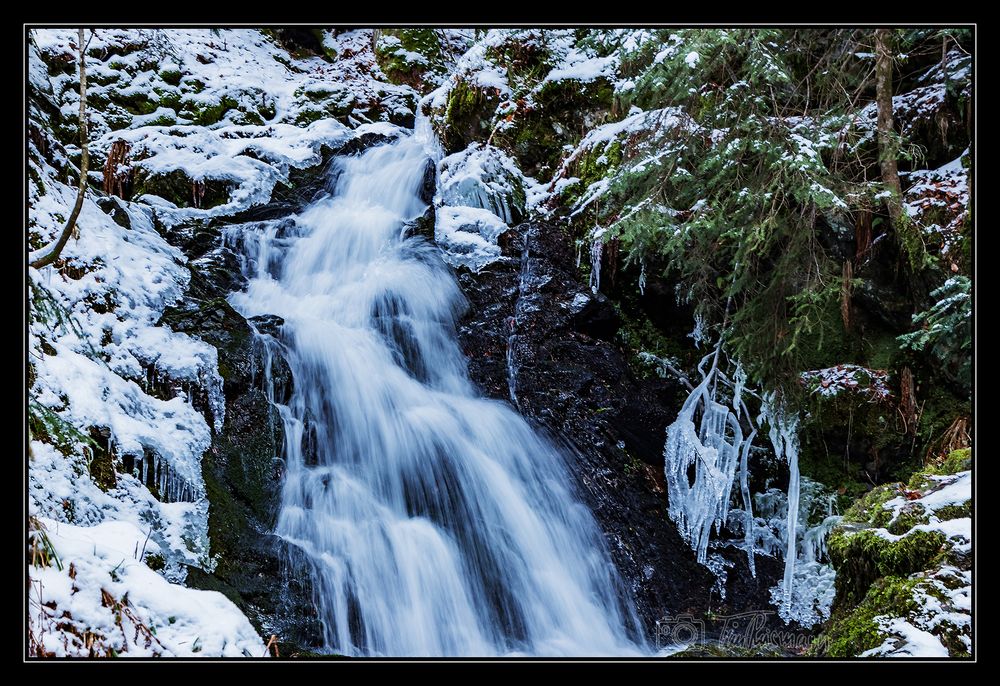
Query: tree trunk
x=886, y=143
x=70, y=228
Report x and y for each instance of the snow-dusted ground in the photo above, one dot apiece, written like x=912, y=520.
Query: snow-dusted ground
x=98, y=597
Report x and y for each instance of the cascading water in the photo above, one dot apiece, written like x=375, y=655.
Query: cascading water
x=436, y=522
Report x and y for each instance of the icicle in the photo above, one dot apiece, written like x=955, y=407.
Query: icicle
x=596, y=254
x=792, y=452
x=747, y=502
x=784, y=437
x=523, y=281
x=642, y=278
x=698, y=334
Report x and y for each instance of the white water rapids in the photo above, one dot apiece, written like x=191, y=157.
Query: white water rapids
x=436, y=522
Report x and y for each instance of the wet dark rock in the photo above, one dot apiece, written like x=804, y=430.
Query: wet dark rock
x=268, y=323
x=428, y=183
x=222, y=268
x=421, y=226
x=242, y=467
x=574, y=383
x=597, y=317
x=115, y=208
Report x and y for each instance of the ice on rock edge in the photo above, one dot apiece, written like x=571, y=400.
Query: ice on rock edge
x=480, y=194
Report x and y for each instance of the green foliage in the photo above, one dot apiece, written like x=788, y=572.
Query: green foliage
x=729, y=194
x=944, y=330
x=47, y=426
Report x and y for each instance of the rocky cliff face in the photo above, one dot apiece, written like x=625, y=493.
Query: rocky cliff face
x=539, y=338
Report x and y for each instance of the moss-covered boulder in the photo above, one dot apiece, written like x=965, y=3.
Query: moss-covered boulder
x=411, y=57
x=180, y=189
x=467, y=116
x=552, y=120
x=902, y=555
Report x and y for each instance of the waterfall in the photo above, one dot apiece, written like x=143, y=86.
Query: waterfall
x=435, y=522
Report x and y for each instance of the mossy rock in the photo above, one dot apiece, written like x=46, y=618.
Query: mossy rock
x=136, y=103
x=206, y=115
x=467, y=117
x=869, y=508
x=334, y=103
x=179, y=189
x=172, y=76
x=862, y=557
x=394, y=51
x=102, y=463
x=910, y=515
x=957, y=461
x=851, y=632
x=562, y=111
x=954, y=511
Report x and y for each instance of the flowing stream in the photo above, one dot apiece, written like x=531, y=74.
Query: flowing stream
x=436, y=522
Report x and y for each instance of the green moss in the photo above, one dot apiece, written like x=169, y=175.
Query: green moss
x=267, y=110
x=171, y=76
x=398, y=68
x=48, y=427
x=170, y=98
x=954, y=511
x=165, y=119
x=100, y=79
x=136, y=103
x=102, y=467
x=850, y=633
x=467, y=116
x=539, y=136
x=176, y=187
x=206, y=115
x=862, y=557
x=308, y=115
x=909, y=516
x=957, y=461
x=155, y=561
x=192, y=85
x=868, y=509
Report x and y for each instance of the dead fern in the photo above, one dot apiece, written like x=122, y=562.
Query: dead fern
x=955, y=437
x=117, y=170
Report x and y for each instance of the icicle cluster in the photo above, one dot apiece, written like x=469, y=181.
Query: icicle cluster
x=706, y=449
x=701, y=458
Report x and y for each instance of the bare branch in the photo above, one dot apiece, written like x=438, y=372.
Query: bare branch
x=71, y=229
